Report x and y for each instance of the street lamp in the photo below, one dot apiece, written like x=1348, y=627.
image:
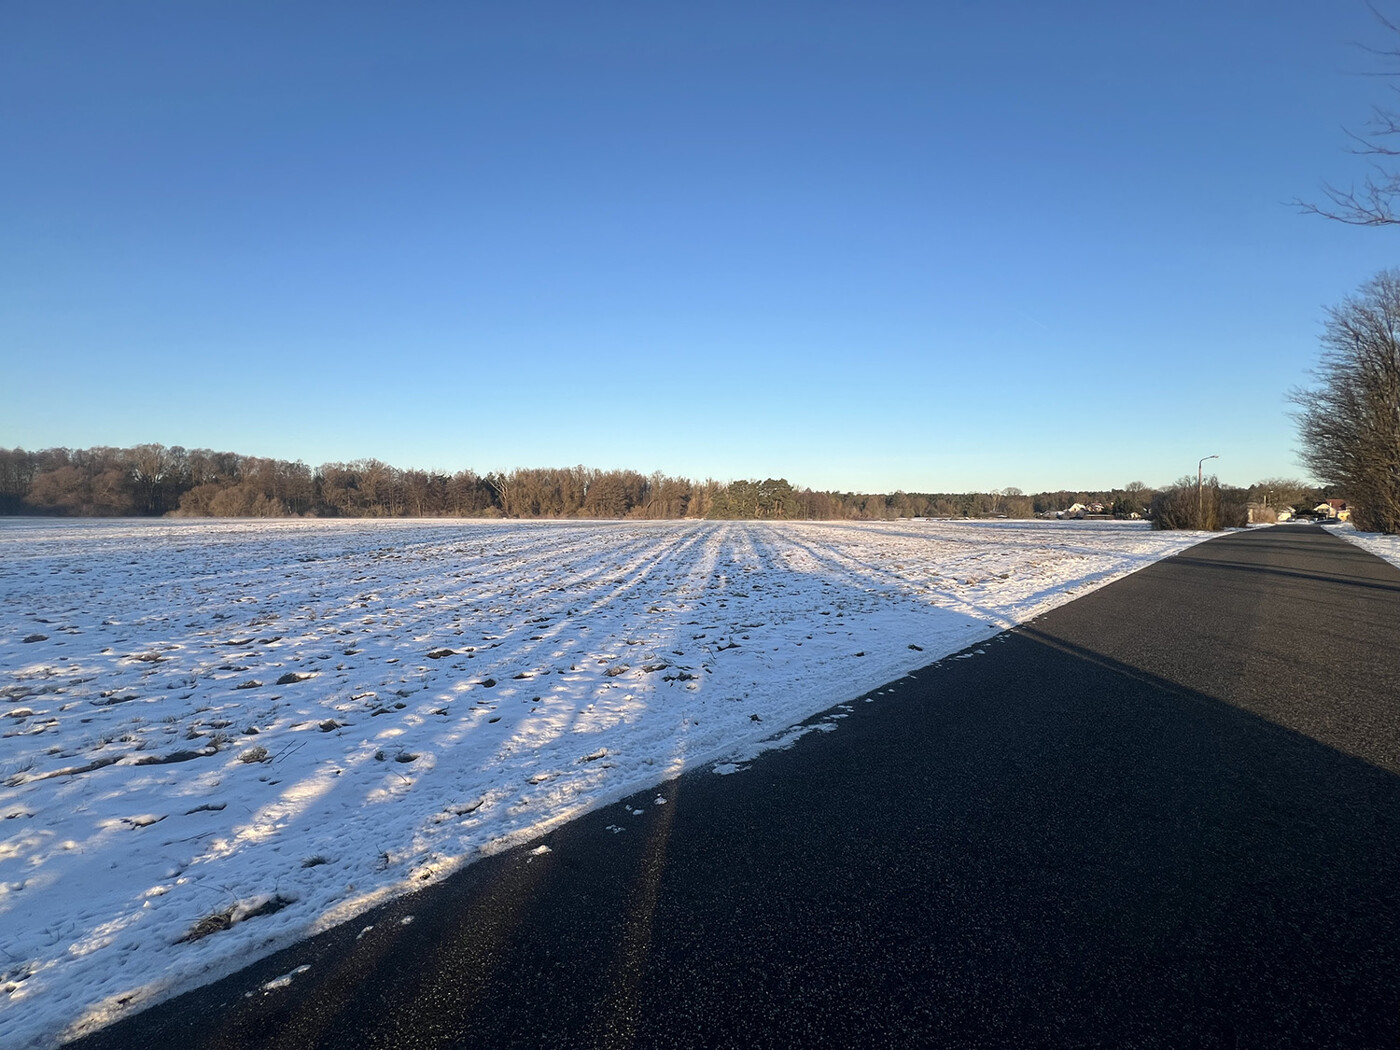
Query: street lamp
x=1200, y=481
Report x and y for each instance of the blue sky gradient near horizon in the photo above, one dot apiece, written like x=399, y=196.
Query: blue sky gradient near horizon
x=923, y=246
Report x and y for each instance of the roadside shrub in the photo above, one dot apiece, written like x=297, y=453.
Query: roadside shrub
x=1211, y=508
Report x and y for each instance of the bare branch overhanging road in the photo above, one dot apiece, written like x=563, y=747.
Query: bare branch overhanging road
x=1165, y=815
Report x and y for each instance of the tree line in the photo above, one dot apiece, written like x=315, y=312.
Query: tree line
x=153, y=480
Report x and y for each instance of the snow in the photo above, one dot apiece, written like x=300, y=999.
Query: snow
x=1379, y=544
x=220, y=737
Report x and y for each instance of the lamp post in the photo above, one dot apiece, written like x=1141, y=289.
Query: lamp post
x=1200, y=483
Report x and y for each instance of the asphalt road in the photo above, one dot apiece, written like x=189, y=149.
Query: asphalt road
x=1165, y=815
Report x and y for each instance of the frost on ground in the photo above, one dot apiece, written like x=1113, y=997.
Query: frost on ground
x=219, y=737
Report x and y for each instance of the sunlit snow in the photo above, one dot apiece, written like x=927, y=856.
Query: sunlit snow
x=219, y=737
x=1387, y=547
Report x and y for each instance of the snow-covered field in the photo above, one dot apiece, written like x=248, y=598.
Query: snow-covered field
x=1387, y=547
x=219, y=737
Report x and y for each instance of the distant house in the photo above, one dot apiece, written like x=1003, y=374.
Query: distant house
x=1263, y=513
x=1333, y=510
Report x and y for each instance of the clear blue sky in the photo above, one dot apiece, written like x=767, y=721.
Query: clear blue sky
x=930, y=246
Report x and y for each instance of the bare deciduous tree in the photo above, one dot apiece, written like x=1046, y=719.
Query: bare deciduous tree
x=1350, y=421
x=1281, y=493
x=1192, y=504
x=1374, y=203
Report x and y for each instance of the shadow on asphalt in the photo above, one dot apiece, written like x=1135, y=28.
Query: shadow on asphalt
x=1349, y=581
x=1036, y=847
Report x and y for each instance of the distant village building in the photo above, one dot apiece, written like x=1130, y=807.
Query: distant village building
x=1340, y=510
x=1264, y=514
x=1080, y=511
x=1333, y=510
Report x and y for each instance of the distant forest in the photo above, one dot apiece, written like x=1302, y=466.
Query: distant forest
x=152, y=480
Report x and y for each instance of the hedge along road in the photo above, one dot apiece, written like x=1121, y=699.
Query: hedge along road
x=1167, y=814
